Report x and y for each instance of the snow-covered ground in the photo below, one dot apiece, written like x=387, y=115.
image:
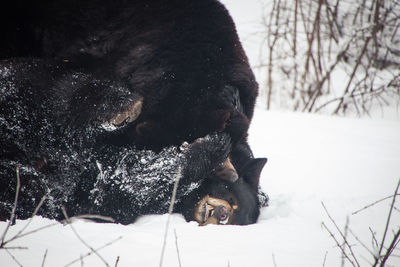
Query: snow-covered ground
x=344, y=163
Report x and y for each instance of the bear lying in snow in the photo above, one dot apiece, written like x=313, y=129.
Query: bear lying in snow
x=75, y=168
x=88, y=87
x=183, y=57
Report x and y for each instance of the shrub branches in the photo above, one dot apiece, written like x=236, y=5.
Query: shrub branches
x=331, y=55
x=382, y=251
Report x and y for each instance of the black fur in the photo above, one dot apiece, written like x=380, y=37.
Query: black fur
x=184, y=57
x=69, y=66
x=64, y=154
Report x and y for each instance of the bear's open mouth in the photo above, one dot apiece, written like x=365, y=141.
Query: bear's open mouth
x=212, y=210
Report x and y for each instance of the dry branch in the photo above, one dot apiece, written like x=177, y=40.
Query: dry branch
x=44, y=258
x=116, y=262
x=91, y=252
x=343, y=236
x=392, y=246
x=326, y=254
x=302, y=37
x=21, y=233
x=12, y=256
x=338, y=244
x=378, y=257
x=170, y=210
x=12, y=216
x=372, y=204
x=177, y=248
x=361, y=243
x=81, y=239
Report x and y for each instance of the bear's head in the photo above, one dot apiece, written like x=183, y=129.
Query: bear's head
x=228, y=196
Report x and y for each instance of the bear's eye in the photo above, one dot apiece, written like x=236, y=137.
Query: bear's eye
x=210, y=212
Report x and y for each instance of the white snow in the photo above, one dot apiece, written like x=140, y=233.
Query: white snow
x=346, y=163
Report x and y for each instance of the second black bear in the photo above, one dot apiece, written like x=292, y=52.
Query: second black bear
x=75, y=168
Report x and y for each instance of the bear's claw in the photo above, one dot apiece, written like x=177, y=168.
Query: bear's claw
x=129, y=115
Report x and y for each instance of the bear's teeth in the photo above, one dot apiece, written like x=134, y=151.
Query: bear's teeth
x=225, y=221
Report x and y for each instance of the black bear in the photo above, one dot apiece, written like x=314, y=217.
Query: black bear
x=95, y=83
x=183, y=57
x=75, y=168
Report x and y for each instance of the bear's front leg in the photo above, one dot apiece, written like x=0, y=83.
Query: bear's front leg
x=204, y=155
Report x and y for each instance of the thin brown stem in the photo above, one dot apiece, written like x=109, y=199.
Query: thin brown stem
x=12, y=216
x=392, y=246
x=44, y=258
x=81, y=239
x=342, y=235
x=338, y=244
x=372, y=204
x=170, y=210
x=91, y=252
x=387, y=224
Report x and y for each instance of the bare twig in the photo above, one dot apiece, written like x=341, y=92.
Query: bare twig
x=91, y=252
x=35, y=230
x=116, y=262
x=326, y=254
x=338, y=244
x=346, y=229
x=361, y=243
x=352, y=75
x=301, y=37
x=387, y=226
x=392, y=246
x=310, y=41
x=343, y=236
x=372, y=204
x=374, y=240
x=20, y=232
x=296, y=9
x=12, y=216
x=271, y=45
x=44, y=258
x=12, y=256
x=364, y=258
x=28, y=223
x=177, y=248
x=81, y=239
x=170, y=210
x=17, y=247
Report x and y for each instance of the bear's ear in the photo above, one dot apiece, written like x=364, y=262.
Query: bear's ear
x=252, y=170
